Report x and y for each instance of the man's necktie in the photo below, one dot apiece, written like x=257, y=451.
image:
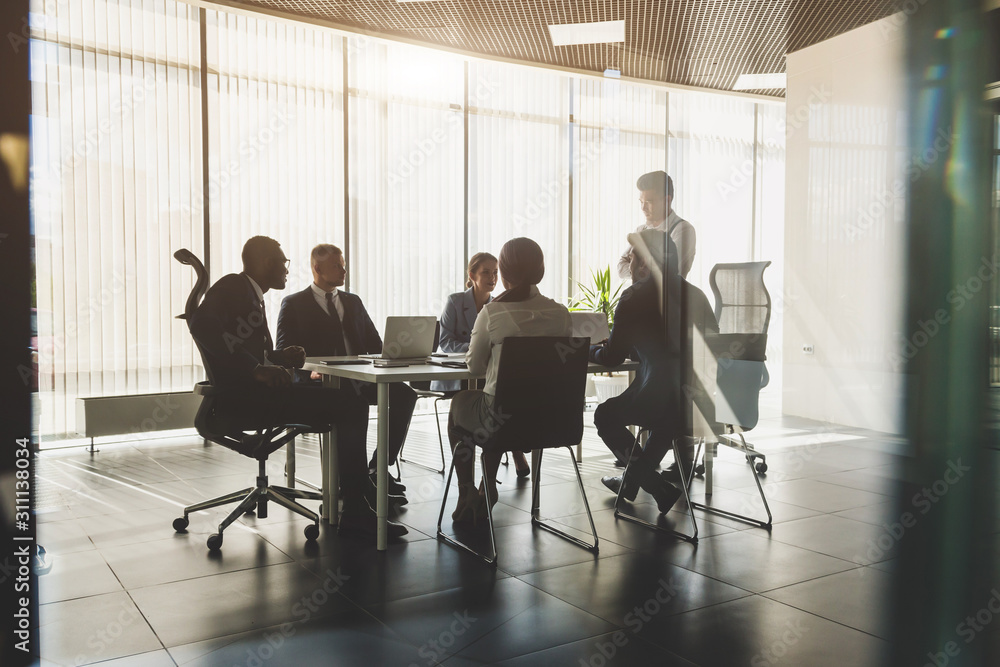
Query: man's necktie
x=338, y=328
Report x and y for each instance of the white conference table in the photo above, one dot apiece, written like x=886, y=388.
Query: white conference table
x=383, y=377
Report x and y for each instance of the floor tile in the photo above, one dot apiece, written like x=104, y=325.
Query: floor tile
x=186, y=556
x=856, y=598
x=99, y=627
x=757, y=631
x=63, y=537
x=76, y=575
x=547, y=623
x=820, y=496
x=613, y=648
x=193, y=610
x=526, y=548
x=613, y=588
x=404, y=570
x=753, y=561
x=152, y=659
x=854, y=541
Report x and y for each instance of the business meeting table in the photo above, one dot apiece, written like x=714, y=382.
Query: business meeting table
x=383, y=377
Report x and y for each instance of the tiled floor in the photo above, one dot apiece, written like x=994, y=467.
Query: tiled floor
x=126, y=590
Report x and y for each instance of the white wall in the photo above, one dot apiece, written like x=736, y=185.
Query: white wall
x=844, y=239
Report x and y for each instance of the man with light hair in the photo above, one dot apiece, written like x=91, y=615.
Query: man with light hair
x=656, y=195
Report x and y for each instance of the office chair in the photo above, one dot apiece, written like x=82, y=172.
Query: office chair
x=743, y=306
x=540, y=390
x=423, y=390
x=243, y=434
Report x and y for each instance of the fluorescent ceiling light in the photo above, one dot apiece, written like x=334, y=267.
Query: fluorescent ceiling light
x=599, y=32
x=759, y=81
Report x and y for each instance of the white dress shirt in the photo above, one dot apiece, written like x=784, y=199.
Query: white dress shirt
x=681, y=233
x=536, y=316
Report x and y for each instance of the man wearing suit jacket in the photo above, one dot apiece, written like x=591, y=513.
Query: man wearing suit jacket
x=656, y=323
x=327, y=321
x=230, y=327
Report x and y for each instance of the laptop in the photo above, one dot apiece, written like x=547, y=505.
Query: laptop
x=592, y=325
x=407, y=338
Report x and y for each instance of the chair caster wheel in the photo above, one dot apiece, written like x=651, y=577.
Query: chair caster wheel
x=181, y=524
x=761, y=467
x=699, y=470
x=312, y=532
x=215, y=542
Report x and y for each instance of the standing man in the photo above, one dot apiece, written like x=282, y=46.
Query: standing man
x=329, y=322
x=656, y=194
x=230, y=327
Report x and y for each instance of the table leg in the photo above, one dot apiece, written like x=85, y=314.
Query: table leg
x=330, y=466
x=382, y=461
x=709, y=458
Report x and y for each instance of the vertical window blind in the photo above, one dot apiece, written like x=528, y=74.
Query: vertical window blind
x=440, y=148
x=116, y=150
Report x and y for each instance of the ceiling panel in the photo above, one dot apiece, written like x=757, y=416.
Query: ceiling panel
x=705, y=43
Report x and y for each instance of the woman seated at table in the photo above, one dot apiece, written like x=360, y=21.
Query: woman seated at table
x=459, y=316
x=519, y=311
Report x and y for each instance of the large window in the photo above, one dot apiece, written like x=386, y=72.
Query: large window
x=409, y=158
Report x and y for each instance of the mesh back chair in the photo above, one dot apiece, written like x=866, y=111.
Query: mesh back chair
x=423, y=390
x=743, y=311
x=541, y=383
x=242, y=434
x=743, y=306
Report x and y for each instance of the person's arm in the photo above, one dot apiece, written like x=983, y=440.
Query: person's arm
x=369, y=334
x=450, y=340
x=624, y=270
x=619, y=344
x=478, y=356
x=684, y=238
x=289, y=331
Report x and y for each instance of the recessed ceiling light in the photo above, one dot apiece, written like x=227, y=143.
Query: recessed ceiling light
x=599, y=32
x=760, y=81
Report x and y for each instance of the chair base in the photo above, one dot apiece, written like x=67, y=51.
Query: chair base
x=491, y=558
x=750, y=454
x=251, y=498
x=684, y=475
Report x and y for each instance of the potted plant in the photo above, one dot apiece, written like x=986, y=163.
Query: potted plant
x=598, y=297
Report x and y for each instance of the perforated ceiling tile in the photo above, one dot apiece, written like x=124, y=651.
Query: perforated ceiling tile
x=706, y=43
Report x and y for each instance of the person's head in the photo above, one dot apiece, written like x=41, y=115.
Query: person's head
x=265, y=262
x=652, y=251
x=328, y=267
x=482, y=272
x=656, y=194
x=521, y=263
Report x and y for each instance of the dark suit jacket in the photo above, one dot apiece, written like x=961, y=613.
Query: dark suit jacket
x=665, y=361
x=230, y=327
x=302, y=321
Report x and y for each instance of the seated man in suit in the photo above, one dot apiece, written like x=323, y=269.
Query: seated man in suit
x=230, y=327
x=328, y=322
x=661, y=320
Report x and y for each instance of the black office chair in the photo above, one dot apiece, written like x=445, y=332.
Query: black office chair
x=541, y=383
x=245, y=435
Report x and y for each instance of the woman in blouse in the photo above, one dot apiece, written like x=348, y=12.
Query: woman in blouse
x=460, y=312
x=519, y=311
